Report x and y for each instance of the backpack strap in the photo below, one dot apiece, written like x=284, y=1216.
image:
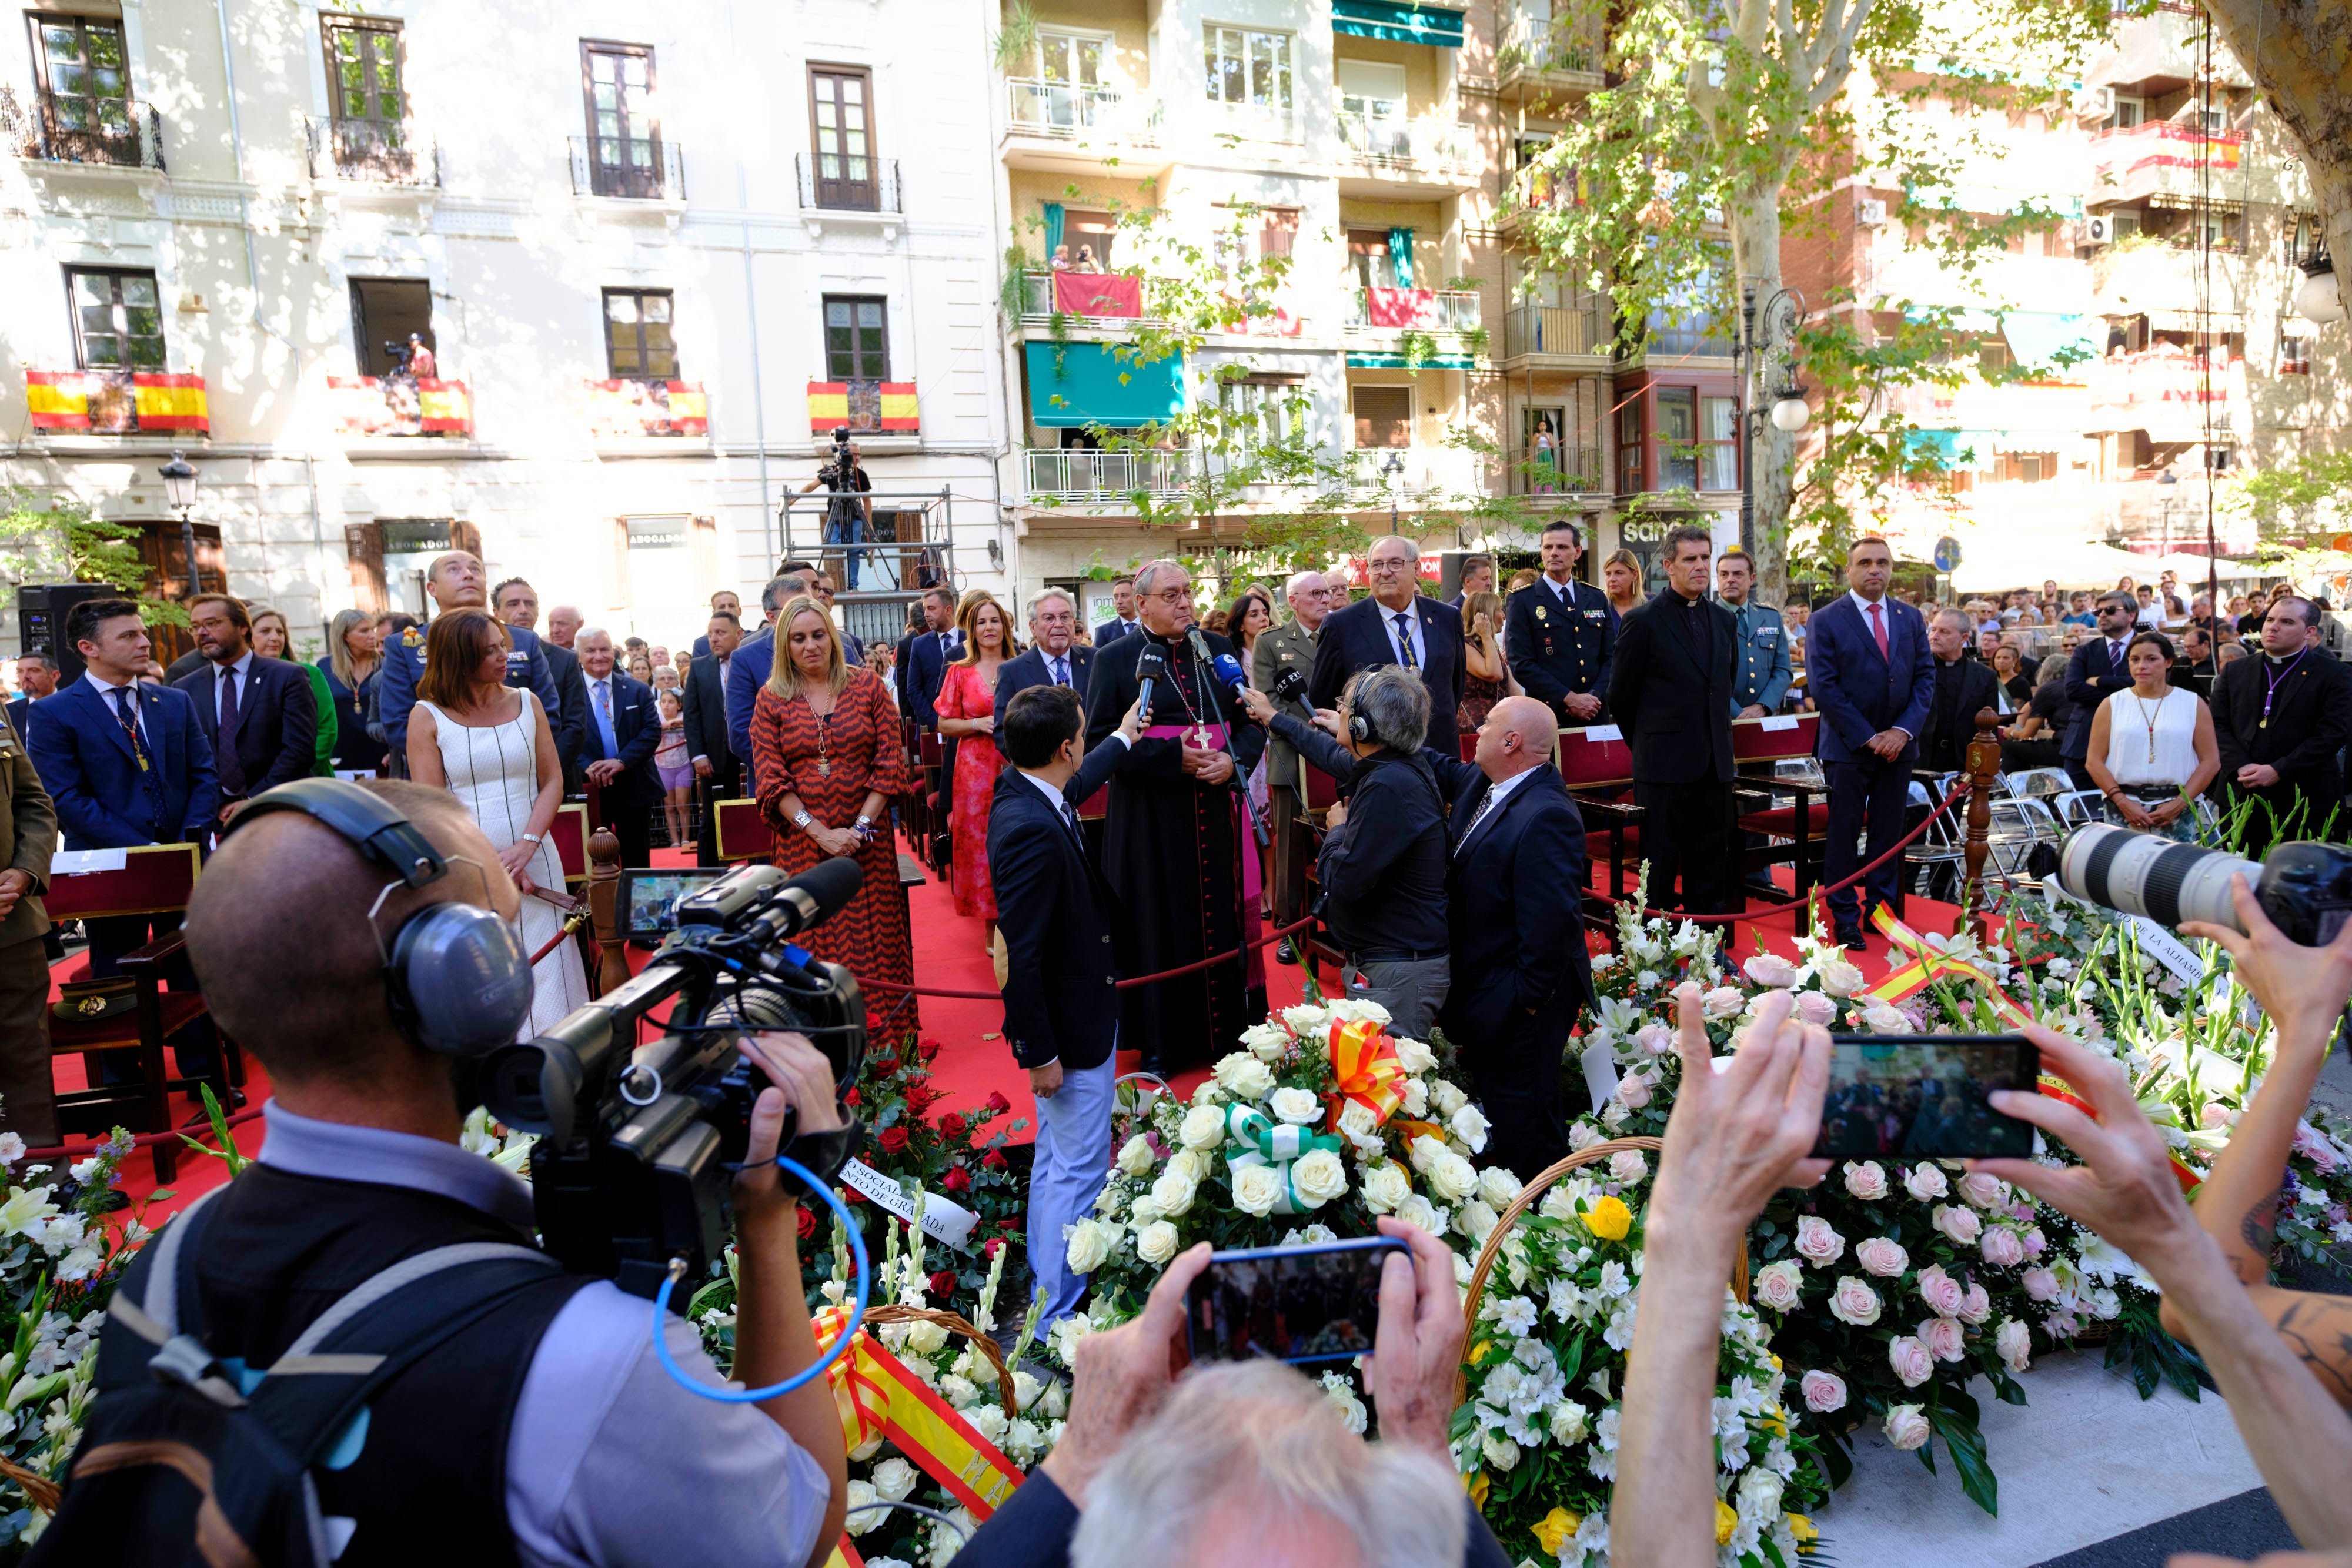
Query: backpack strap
x=179, y=1358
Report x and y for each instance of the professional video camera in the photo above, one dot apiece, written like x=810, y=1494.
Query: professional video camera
x=2304, y=888
x=841, y=458
x=638, y=1147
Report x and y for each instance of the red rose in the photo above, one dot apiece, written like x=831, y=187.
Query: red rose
x=994, y=1159
x=952, y=1125
x=883, y=1066
x=894, y=1140
x=956, y=1180
x=942, y=1284
x=930, y=1048
x=851, y=1098
x=1011, y=1222
x=992, y=1247
x=997, y=1101
x=919, y=1098
x=808, y=1225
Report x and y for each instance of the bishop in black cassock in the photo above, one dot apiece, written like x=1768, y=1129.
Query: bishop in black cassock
x=1179, y=853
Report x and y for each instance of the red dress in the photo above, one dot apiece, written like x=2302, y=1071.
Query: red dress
x=966, y=694
x=860, y=741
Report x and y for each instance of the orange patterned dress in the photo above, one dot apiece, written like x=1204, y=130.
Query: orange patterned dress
x=832, y=764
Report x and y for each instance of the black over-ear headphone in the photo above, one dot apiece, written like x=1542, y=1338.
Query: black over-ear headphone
x=1358, y=725
x=456, y=976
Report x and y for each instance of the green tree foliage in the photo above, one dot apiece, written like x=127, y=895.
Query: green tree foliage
x=60, y=535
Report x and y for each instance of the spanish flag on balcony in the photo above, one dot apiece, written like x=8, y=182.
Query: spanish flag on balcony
x=59, y=400
x=689, y=408
x=864, y=406
x=444, y=407
x=169, y=402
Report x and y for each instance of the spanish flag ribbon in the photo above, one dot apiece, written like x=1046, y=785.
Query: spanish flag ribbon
x=844, y=1555
x=1364, y=1061
x=874, y=1392
x=1928, y=964
x=2059, y=1089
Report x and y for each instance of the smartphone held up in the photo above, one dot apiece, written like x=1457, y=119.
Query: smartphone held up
x=1321, y=1302
x=1924, y=1097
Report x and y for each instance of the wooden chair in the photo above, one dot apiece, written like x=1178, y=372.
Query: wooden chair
x=153, y=879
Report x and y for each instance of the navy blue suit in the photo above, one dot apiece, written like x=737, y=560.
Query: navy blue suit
x=403, y=661
x=1056, y=911
x=2092, y=677
x=1017, y=676
x=747, y=672
x=1357, y=638
x=1859, y=693
x=18, y=708
x=570, y=715
x=628, y=802
x=1112, y=630
x=277, y=724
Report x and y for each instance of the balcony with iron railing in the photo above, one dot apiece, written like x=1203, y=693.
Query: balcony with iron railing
x=115, y=132
x=1424, y=472
x=1555, y=332
x=2165, y=158
x=625, y=409
x=1072, y=474
x=1254, y=122
x=1373, y=311
x=1685, y=338
x=117, y=402
x=1535, y=194
x=835, y=185
x=1539, y=57
x=397, y=406
x=1097, y=300
x=1555, y=471
x=1074, y=111
x=627, y=169
x=1393, y=145
x=875, y=409
x=376, y=152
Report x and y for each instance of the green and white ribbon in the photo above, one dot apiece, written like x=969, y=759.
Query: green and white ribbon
x=1277, y=1140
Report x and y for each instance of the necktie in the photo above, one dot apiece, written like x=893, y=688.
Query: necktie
x=232, y=767
x=611, y=746
x=129, y=722
x=1404, y=620
x=1478, y=816
x=1061, y=672
x=1878, y=628
x=1070, y=817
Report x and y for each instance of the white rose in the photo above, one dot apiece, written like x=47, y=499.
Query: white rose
x=1156, y=1243
x=1266, y=1042
x=1771, y=969
x=1883, y=1019
x=1420, y=1213
x=1416, y=1098
x=1355, y=1009
x=1780, y=1286
x=1090, y=1244
x=1628, y=1166
x=1135, y=1156
x=1446, y=1098
x=1854, y=1303
x=1357, y=1122
x=1568, y=1421
x=858, y=1498
x=926, y=1338
x=1500, y=1451
x=1476, y=1220
x=1470, y=1124
x=1244, y=1076
x=1723, y=1001
x=1452, y=1177
x=1144, y=1211
x=989, y=1420
x=1386, y=1186
x=1499, y=1186
x=1318, y=1178
x=1839, y=979
x=1296, y=1106
x=1306, y=1019
x=894, y=1478
x=1203, y=1127
x=1413, y=1056
x=1256, y=1189
x=1633, y=1092
x=1173, y=1192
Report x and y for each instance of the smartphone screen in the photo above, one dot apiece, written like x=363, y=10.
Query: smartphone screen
x=1910, y=1096
x=1317, y=1303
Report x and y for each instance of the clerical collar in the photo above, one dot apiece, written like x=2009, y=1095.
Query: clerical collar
x=2282, y=660
x=1686, y=601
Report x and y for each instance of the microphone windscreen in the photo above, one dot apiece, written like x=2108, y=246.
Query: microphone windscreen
x=832, y=884
x=1229, y=670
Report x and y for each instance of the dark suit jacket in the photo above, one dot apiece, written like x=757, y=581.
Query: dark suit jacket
x=403, y=661
x=1357, y=638
x=1017, y=676
x=276, y=720
x=2092, y=677
x=86, y=763
x=1944, y=743
x=1561, y=651
x=705, y=708
x=1112, y=630
x=2311, y=719
x=1514, y=894
x=1860, y=691
x=569, y=717
x=747, y=672
x=1056, y=912
x=636, y=727
x=18, y=708
x=1674, y=706
x=923, y=668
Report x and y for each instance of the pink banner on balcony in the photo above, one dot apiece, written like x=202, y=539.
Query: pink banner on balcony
x=1098, y=294
x=1411, y=309
x=2164, y=144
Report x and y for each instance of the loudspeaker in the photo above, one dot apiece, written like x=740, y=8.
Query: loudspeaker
x=41, y=611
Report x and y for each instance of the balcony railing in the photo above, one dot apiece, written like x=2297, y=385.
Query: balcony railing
x=1701, y=338
x=381, y=151
x=1426, y=471
x=626, y=408
x=871, y=188
x=644, y=172
x=119, y=131
x=2162, y=157
x=1557, y=471
x=400, y=406
x=1082, y=296
x=1254, y=121
x=117, y=402
x=1408, y=143
x=1556, y=329
x=1411, y=309
x=1545, y=46
x=868, y=408
x=1073, y=112
x=1076, y=474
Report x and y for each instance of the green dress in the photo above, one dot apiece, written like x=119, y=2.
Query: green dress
x=323, y=765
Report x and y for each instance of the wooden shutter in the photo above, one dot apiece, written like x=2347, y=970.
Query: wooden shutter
x=363, y=545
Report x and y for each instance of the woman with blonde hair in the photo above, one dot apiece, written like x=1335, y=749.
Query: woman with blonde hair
x=1621, y=579
x=1487, y=674
x=353, y=660
x=825, y=748
x=967, y=710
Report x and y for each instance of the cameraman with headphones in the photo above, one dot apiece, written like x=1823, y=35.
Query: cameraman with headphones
x=536, y=1425
x=849, y=506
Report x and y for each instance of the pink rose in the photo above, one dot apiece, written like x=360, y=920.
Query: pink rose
x=1911, y=1361
x=2041, y=1285
x=1655, y=1038
x=1976, y=1306
x=1818, y=1244
x=1771, y=969
x=1884, y=1256
x=1943, y=1338
x=1815, y=1009
x=1633, y=1092
x=1825, y=1391
x=1780, y=1286
x=1854, y=1303
x=2035, y=1243
x=1960, y=1223
x=1723, y=1001
x=1627, y=1166
x=1907, y=1429
x=1984, y=1189
x=2313, y=1147
x=2216, y=1114
x=2003, y=1247
x=1925, y=1183
x=2015, y=1342
x=1866, y=1181
x=1942, y=1293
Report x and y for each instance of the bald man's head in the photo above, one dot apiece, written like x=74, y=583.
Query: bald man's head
x=279, y=933
x=1519, y=734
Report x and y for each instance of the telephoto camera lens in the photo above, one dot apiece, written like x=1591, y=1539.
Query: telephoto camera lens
x=2304, y=888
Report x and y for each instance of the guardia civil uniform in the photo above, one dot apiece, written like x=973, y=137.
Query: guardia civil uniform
x=1762, y=676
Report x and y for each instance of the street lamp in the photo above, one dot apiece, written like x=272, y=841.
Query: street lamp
x=2320, y=299
x=180, y=495
x=1391, y=466
x=1789, y=411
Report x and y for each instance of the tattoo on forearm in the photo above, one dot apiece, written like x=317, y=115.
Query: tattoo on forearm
x=2258, y=1230
x=2318, y=1328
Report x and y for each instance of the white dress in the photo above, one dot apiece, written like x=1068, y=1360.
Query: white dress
x=493, y=769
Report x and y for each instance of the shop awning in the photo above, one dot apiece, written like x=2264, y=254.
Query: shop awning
x=1076, y=385
x=1397, y=21
x=2036, y=337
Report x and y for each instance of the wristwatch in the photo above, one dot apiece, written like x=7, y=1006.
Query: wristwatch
x=529, y=839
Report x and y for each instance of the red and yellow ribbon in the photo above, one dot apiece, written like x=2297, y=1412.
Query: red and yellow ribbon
x=1928, y=964
x=2059, y=1089
x=1364, y=1061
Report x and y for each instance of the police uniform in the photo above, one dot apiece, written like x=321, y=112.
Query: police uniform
x=403, y=663
x=1764, y=673
x=1559, y=643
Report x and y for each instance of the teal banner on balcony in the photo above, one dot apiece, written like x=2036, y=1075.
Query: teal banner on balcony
x=1092, y=385
x=1397, y=21
x=1397, y=363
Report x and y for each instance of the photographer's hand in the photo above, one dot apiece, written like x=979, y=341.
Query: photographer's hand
x=1121, y=1376
x=2303, y=990
x=1417, y=1350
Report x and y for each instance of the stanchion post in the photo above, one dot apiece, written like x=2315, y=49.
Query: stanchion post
x=1984, y=774
x=604, y=912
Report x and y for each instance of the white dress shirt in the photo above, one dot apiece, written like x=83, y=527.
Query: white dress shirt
x=106, y=695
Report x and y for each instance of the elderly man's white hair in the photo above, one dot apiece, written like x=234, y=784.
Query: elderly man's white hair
x=1151, y=570
x=1299, y=582
x=1252, y=1464
x=1029, y=610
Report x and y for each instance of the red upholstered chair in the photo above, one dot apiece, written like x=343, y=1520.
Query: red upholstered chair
x=743, y=833
x=569, y=834
x=153, y=879
x=1759, y=746
x=1597, y=763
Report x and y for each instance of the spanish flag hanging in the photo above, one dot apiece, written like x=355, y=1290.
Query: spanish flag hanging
x=59, y=400
x=870, y=407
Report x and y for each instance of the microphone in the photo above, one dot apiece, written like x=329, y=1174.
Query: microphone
x=816, y=895
x=1229, y=671
x=1150, y=665
x=1288, y=684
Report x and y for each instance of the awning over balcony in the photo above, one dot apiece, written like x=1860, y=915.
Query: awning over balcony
x=1397, y=21
x=116, y=402
x=1076, y=385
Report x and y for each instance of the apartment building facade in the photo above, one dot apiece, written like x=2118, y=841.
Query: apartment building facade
x=652, y=258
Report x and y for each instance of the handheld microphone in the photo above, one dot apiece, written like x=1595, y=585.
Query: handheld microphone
x=1150, y=665
x=1229, y=670
x=1288, y=684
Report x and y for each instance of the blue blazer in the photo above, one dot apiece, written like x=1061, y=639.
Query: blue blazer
x=1357, y=638
x=636, y=729
x=747, y=672
x=1112, y=630
x=276, y=720
x=1860, y=693
x=1058, y=918
x=1017, y=676
x=87, y=765
x=2091, y=679
x=404, y=662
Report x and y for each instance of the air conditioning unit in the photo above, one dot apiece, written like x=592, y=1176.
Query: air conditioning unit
x=2098, y=229
x=2094, y=103
x=1871, y=213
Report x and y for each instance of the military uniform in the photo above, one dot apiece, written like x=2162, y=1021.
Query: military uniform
x=404, y=662
x=28, y=838
x=1764, y=673
x=1560, y=645
x=1290, y=646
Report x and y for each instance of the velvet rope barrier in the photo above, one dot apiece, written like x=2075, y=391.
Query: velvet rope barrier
x=1225, y=958
x=145, y=1139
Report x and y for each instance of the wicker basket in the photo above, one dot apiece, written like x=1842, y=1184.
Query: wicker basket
x=42, y=1493
x=1527, y=1199
x=889, y=1313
